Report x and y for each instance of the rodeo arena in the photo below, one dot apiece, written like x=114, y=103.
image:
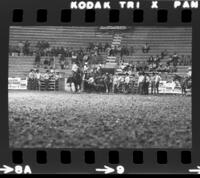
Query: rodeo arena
x=100, y=87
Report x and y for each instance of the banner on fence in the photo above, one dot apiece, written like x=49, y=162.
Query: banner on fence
x=169, y=87
x=17, y=83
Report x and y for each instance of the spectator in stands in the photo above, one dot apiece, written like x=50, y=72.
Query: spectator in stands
x=26, y=48
x=62, y=51
x=146, y=48
x=66, y=65
x=45, y=44
x=65, y=52
x=167, y=69
x=160, y=68
x=189, y=60
x=134, y=68
x=150, y=60
x=119, y=48
x=70, y=52
x=48, y=51
x=181, y=60
x=157, y=60
x=80, y=57
x=46, y=63
x=14, y=50
x=112, y=51
x=151, y=67
x=115, y=50
x=91, y=46
x=53, y=51
x=175, y=58
x=174, y=68
x=169, y=60
x=108, y=49
x=189, y=72
x=106, y=46
x=137, y=66
x=21, y=46
x=38, y=45
x=42, y=46
x=62, y=62
x=52, y=62
x=185, y=60
x=85, y=58
x=37, y=59
x=74, y=56
x=164, y=53
x=144, y=66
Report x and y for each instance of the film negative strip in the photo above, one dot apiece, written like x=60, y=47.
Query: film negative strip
x=99, y=87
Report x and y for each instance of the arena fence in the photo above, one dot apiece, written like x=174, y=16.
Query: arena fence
x=60, y=84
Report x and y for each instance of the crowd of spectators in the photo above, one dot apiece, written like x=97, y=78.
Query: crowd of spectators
x=45, y=49
x=92, y=55
x=156, y=64
x=22, y=48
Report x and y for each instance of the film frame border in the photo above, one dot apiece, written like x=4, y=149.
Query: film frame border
x=145, y=160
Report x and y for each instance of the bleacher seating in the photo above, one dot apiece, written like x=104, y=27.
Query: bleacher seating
x=19, y=66
x=75, y=37
x=159, y=38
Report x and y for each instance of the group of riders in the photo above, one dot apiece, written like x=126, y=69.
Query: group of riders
x=99, y=80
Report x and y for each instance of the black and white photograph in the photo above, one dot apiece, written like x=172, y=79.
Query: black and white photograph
x=100, y=87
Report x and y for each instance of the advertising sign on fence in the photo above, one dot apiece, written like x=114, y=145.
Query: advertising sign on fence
x=169, y=87
x=17, y=84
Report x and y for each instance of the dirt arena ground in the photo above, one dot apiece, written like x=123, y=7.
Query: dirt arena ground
x=64, y=120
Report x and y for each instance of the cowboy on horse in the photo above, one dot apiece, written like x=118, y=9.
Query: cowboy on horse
x=76, y=77
x=185, y=82
x=74, y=68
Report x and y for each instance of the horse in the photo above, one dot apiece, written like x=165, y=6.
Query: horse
x=76, y=78
x=107, y=83
x=100, y=85
x=184, y=82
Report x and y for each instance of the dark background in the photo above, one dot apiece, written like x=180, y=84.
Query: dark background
x=78, y=165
